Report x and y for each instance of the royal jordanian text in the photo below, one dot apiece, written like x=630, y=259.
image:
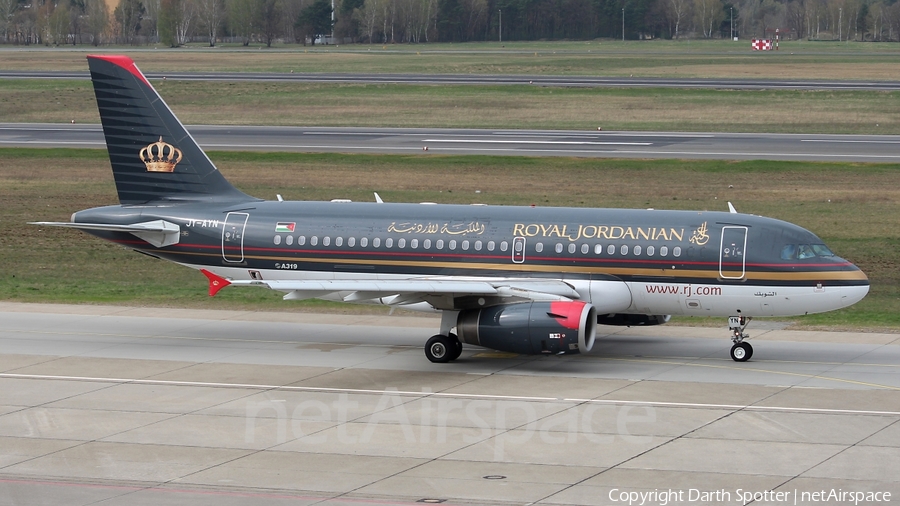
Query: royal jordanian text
x=577, y=232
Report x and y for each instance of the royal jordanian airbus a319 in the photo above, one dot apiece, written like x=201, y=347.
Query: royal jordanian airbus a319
x=527, y=280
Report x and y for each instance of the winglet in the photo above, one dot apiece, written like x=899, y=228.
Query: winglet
x=216, y=282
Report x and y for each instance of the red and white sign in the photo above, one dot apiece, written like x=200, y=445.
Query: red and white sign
x=762, y=44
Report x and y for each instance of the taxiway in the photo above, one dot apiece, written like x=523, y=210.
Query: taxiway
x=128, y=406
x=597, y=144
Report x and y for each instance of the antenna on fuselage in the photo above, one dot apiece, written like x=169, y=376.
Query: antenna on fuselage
x=731, y=209
x=378, y=198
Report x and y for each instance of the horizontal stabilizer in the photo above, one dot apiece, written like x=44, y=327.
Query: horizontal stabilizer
x=159, y=233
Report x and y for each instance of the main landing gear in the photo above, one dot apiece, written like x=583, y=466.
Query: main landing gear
x=741, y=351
x=444, y=347
x=441, y=349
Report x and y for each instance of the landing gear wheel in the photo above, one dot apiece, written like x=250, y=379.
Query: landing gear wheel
x=741, y=352
x=440, y=349
x=457, y=350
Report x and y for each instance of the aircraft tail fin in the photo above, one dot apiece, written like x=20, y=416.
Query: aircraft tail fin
x=153, y=156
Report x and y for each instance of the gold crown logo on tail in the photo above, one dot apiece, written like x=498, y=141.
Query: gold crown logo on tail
x=160, y=156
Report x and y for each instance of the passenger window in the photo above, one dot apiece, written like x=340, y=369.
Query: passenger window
x=376, y=242
x=277, y=240
x=477, y=245
x=439, y=244
x=426, y=244
x=572, y=247
x=452, y=244
x=624, y=249
x=326, y=241
x=663, y=251
x=491, y=245
x=585, y=249
x=389, y=242
x=289, y=240
x=351, y=241
x=363, y=242
x=301, y=240
x=559, y=247
x=314, y=240
x=504, y=246
x=338, y=241
x=465, y=245
x=598, y=249
x=637, y=251
x=650, y=251
x=401, y=243
x=538, y=247
x=676, y=251
x=413, y=243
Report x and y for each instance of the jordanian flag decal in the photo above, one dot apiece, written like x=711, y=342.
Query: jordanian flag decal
x=283, y=226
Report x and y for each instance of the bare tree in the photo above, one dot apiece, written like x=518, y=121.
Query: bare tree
x=268, y=14
x=241, y=18
x=58, y=24
x=368, y=18
x=796, y=14
x=187, y=16
x=476, y=16
x=211, y=14
x=708, y=15
x=678, y=10
x=7, y=11
x=97, y=20
x=129, y=14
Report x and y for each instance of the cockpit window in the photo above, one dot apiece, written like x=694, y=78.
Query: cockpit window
x=804, y=251
x=789, y=252
x=822, y=250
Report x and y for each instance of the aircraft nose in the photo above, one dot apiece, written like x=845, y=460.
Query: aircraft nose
x=852, y=294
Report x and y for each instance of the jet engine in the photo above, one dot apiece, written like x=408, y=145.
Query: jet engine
x=633, y=320
x=531, y=327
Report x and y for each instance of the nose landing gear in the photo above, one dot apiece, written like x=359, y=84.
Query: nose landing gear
x=741, y=351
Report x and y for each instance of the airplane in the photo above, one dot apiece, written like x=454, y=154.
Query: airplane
x=526, y=280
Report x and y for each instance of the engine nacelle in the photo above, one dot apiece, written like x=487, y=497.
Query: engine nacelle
x=633, y=320
x=531, y=327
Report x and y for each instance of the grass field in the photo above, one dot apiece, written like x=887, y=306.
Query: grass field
x=857, y=112
x=795, y=59
x=520, y=106
x=852, y=207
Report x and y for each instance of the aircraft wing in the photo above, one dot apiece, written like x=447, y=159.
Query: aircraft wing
x=407, y=291
x=159, y=233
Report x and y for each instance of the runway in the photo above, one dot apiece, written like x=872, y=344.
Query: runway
x=599, y=144
x=129, y=406
x=490, y=80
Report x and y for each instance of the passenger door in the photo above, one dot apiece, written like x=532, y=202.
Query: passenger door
x=732, y=250
x=233, y=237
